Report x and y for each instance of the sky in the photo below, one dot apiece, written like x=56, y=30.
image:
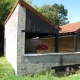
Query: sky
x=73, y=7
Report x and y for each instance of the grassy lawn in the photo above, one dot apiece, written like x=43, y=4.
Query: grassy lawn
x=7, y=73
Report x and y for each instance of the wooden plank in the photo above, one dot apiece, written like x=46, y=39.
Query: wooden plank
x=36, y=24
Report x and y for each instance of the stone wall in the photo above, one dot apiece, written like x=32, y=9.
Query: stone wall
x=11, y=39
x=20, y=38
x=15, y=38
x=38, y=63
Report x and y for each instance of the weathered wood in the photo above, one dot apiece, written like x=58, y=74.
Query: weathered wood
x=56, y=43
x=65, y=44
x=36, y=24
x=75, y=43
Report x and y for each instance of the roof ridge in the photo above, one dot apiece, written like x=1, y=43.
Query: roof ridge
x=38, y=14
x=70, y=23
x=23, y=3
x=72, y=27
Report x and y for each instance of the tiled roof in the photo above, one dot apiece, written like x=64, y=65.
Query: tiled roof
x=23, y=3
x=73, y=27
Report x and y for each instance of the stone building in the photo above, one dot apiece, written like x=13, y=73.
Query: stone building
x=24, y=23
x=25, y=28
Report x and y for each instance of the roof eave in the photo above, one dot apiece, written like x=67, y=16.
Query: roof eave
x=38, y=14
x=23, y=3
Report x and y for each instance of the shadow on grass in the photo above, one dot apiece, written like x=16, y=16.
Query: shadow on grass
x=62, y=72
x=1, y=48
x=1, y=52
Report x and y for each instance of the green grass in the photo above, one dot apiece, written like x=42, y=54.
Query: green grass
x=7, y=73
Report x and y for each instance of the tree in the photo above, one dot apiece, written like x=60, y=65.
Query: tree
x=39, y=9
x=28, y=1
x=5, y=7
x=56, y=13
x=62, y=14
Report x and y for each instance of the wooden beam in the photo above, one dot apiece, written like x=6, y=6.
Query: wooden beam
x=56, y=43
x=75, y=43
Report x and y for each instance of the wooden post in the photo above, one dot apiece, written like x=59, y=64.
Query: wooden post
x=56, y=43
x=75, y=43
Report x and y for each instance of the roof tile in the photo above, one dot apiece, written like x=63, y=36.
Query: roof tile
x=73, y=27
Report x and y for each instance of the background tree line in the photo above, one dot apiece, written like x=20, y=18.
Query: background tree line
x=56, y=13
x=5, y=7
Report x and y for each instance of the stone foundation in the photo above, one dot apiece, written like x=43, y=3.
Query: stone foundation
x=38, y=63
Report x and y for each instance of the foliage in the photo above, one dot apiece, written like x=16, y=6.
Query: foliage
x=7, y=73
x=39, y=9
x=56, y=13
x=28, y=1
x=5, y=7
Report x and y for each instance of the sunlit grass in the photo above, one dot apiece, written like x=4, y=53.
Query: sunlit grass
x=7, y=73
